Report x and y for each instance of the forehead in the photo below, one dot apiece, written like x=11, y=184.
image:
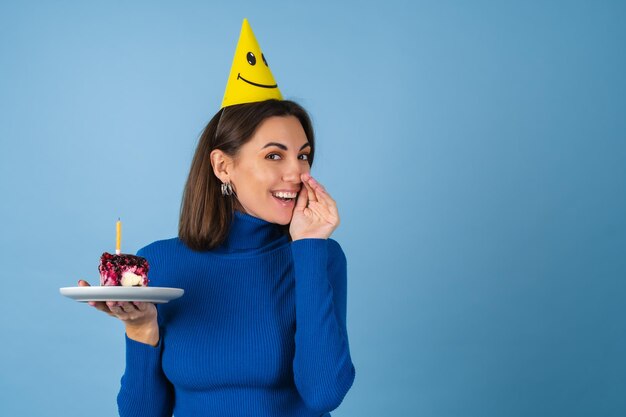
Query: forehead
x=282, y=129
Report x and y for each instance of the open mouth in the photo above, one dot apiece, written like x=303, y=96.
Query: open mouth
x=285, y=199
x=239, y=77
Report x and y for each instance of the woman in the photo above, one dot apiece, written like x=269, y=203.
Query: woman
x=261, y=329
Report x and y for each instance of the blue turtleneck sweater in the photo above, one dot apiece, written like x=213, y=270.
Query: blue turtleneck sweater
x=260, y=331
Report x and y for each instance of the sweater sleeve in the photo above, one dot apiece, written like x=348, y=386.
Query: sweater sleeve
x=145, y=390
x=323, y=369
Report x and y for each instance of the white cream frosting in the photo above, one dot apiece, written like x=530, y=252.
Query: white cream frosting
x=130, y=279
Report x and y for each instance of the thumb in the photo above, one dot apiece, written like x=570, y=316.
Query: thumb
x=83, y=283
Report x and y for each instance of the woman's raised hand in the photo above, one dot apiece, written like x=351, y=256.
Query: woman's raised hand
x=139, y=318
x=315, y=214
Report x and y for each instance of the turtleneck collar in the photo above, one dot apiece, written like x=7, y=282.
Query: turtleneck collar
x=249, y=233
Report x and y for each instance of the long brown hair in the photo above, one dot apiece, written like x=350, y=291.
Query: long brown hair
x=205, y=214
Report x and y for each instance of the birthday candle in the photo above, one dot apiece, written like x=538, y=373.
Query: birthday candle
x=118, y=240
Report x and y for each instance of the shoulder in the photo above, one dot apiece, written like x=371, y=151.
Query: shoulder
x=160, y=248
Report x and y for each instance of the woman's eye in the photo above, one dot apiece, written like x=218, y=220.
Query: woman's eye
x=276, y=157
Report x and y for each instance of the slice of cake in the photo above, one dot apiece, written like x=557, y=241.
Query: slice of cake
x=123, y=270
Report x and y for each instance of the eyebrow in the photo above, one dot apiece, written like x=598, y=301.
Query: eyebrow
x=283, y=147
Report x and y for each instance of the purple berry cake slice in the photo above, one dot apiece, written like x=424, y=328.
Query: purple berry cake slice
x=123, y=270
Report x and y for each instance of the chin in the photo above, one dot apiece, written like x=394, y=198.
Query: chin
x=284, y=223
x=282, y=220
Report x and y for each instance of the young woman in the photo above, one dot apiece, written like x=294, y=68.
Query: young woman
x=261, y=329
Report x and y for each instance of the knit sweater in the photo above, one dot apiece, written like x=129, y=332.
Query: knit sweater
x=260, y=330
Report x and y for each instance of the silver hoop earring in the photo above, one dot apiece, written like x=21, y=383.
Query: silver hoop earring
x=227, y=189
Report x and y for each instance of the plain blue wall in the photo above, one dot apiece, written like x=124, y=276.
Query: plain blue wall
x=477, y=151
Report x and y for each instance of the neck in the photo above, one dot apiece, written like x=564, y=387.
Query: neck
x=248, y=233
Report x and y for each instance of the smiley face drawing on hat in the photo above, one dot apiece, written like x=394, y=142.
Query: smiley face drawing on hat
x=250, y=78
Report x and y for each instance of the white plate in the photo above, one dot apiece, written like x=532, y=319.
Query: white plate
x=109, y=293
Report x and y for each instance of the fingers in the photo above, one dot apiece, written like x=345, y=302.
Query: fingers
x=319, y=188
x=123, y=310
x=99, y=305
x=128, y=307
x=302, y=199
x=140, y=306
x=313, y=185
x=83, y=283
x=320, y=212
x=310, y=191
x=320, y=192
x=114, y=308
x=129, y=310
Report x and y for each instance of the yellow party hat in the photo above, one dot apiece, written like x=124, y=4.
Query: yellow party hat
x=250, y=78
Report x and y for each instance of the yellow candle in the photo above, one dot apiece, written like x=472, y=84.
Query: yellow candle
x=118, y=240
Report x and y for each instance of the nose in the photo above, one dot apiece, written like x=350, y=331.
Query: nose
x=294, y=168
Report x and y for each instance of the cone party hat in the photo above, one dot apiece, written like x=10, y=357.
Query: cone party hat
x=250, y=78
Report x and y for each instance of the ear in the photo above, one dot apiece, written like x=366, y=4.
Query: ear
x=222, y=165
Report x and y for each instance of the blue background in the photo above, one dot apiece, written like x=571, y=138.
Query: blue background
x=477, y=151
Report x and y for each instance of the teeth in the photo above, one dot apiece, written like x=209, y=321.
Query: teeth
x=285, y=195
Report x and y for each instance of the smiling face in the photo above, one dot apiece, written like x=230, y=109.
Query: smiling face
x=250, y=78
x=258, y=72
x=269, y=167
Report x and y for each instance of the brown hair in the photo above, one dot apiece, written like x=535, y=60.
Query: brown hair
x=205, y=214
